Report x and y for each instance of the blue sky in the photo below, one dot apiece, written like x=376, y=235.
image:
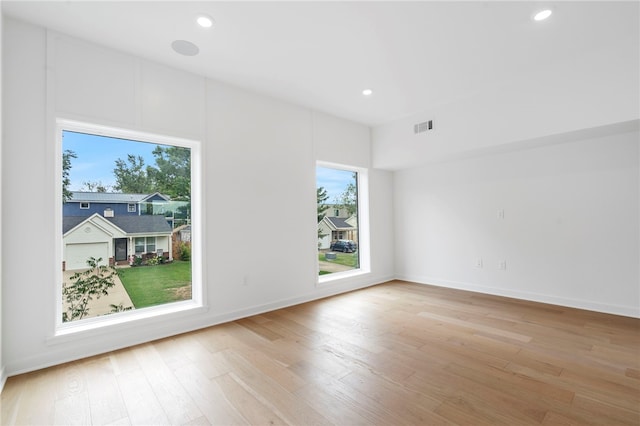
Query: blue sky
x=97, y=156
x=333, y=180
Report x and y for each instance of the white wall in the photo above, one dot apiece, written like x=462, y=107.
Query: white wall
x=591, y=89
x=257, y=152
x=570, y=233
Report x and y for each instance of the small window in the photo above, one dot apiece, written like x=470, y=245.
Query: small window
x=336, y=212
x=84, y=206
x=131, y=208
x=139, y=245
x=151, y=244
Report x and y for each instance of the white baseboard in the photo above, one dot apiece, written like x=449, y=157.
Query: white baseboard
x=111, y=341
x=627, y=311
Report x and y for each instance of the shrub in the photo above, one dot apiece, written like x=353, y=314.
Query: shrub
x=119, y=308
x=185, y=252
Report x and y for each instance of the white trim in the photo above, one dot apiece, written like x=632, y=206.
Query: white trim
x=3, y=378
x=88, y=327
x=364, y=248
x=97, y=225
x=197, y=303
x=84, y=202
x=626, y=311
x=135, y=207
x=144, y=200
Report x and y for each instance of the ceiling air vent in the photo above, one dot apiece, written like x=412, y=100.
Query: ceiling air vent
x=422, y=127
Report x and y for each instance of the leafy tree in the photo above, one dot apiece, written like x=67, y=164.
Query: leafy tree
x=67, y=155
x=172, y=172
x=349, y=197
x=321, y=195
x=171, y=175
x=96, y=186
x=85, y=286
x=132, y=176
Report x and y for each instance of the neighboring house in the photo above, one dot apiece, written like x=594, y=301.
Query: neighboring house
x=114, y=239
x=89, y=203
x=337, y=228
x=336, y=210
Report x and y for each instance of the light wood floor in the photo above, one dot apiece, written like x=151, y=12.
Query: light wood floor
x=393, y=354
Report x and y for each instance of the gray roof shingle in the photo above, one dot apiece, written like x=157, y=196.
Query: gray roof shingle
x=339, y=222
x=141, y=224
x=145, y=224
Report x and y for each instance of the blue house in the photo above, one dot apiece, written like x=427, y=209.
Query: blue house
x=115, y=227
x=89, y=203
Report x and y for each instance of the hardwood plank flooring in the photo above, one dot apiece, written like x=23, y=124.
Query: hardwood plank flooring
x=393, y=354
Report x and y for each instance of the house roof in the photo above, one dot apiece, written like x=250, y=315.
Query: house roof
x=145, y=224
x=111, y=197
x=338, y=222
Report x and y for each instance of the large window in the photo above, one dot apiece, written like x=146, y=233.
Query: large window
x=117, y=258
x=341, y=207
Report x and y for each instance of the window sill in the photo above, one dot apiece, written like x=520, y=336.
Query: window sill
x=90, y=327
x=336, y=276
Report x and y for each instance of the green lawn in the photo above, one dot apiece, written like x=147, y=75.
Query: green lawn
x=155, y=285
x=346, y=259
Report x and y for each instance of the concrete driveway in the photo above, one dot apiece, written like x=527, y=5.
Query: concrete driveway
x=101, y=306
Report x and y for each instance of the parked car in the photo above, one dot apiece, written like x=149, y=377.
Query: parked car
x=345, y=246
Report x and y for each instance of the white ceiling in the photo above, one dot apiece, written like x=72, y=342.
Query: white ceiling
x=414, y=55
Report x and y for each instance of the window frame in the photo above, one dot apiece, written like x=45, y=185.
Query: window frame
x=88, y=205
x=364, y=249
x=130, y=206
x=62, y=332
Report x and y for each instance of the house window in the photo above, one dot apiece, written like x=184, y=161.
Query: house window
x=130, y=167
x=343, y=248
x=139, y=245
x=151, y=244
x=145, y=245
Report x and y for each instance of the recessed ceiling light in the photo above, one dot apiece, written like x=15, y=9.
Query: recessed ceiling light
x=185, y=48
x=205, y=21
x=367, y=92
x=542, y=15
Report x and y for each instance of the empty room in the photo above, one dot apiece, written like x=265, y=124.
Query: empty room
x=340, y=213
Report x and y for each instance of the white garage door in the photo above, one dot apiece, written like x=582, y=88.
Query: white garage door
x=77, y=254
